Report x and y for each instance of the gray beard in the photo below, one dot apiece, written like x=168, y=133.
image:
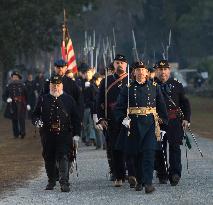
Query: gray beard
x=56, y=94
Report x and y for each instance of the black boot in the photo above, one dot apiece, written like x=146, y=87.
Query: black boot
x=50, y=185
x=132, y=181
x=65, y=188
x=50, y=170
x=149, y=188
x=139, y=187
x=174, y=179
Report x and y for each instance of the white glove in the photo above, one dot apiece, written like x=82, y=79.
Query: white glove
x=38, y=123
x=126, y=122
x=185, y=124
x=75, y=140
x=28, y=107
x=162, y=133
x=87, y=84
x=36, y=94
x=98, y=127
x=9, y=100
x=95, y=118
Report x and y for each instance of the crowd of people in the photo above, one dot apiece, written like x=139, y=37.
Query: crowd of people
x=132, y=112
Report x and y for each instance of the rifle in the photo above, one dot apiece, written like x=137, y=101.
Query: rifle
x=114, y=43
x=105, y=98
x=135, y=52
x=128, y=97
x=162, y=133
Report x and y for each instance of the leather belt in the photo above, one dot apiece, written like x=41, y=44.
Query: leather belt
x=147, y=111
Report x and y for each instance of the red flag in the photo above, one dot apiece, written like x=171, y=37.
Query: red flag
x=67, y=53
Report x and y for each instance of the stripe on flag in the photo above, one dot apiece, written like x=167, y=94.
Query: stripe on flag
x=68, y=54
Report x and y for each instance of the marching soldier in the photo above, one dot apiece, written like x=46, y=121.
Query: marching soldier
x=111, y=91
x=177, y=103
x=140, y=108
x=88, y=132
x=57, y=116
x=100, y=139
x=15, y=95
x=31, y=92
x=69, y=86
x=81, y=78
x=39, y=83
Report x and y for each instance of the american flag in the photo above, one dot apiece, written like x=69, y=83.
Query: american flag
x=67, y=52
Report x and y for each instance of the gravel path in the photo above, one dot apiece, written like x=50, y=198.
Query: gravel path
x=92, y=186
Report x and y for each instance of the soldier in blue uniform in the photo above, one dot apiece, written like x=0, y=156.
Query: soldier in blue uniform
x=179, y=112
x=81, y=78
x=57, y=116
x=146, y=110
x=115, y=83
x=70, y=87
x=15, y=95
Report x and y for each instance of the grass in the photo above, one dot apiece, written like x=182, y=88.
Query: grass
x=202, y=116
x=20, y=159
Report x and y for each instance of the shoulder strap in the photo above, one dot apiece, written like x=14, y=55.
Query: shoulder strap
x=115, y=82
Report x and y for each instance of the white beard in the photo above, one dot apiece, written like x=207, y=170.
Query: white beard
x=56, y=94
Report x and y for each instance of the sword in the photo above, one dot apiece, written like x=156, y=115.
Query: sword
x=193, y=136
x=162, y=133
x=187, y=144
x=105, y=102
x=128, y=81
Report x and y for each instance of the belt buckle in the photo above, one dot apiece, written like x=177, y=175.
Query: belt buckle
x=55, y=127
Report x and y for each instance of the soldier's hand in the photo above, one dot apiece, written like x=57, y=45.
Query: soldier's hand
x=38, y=123
x=96, y=122
x=87, y=84
x=185, y=124
x=28, y=107
x=95, y=118
x=162, y=133
x=75, y=141
x=36, y=94
x=98, y=127
x=9, y=100
x=126, y=122
x=104, y=124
